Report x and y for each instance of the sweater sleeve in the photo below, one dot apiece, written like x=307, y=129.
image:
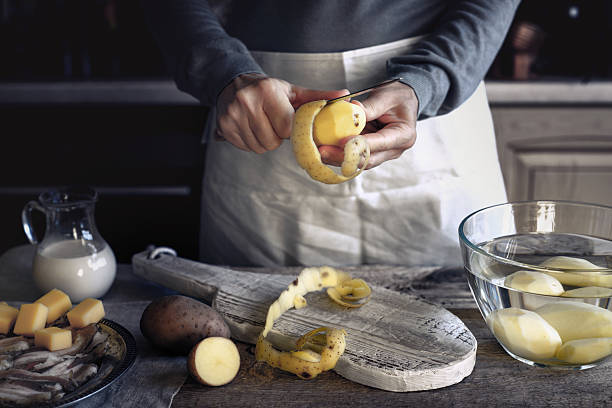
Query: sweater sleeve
x=447, y=66
x=201, y=56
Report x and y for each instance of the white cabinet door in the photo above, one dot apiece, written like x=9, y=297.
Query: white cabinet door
x=557, y=153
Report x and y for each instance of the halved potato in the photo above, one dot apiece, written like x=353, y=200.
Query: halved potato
x=214, y=361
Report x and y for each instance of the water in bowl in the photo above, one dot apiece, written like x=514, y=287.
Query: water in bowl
x=585, y=330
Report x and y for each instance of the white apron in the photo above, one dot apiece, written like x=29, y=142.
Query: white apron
x=265, y=210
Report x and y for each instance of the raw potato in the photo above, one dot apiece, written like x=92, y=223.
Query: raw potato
x=308, y=156
x=575, y=320
x=577, y=278
x=525, y=333
x=568, y=262
x=584, y=351
x=178, y=323
x=214, y=361
x=588, y=291
x=534, y=282
x=336, y=121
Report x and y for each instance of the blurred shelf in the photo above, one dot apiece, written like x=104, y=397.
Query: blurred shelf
x=525, y=93
x=135, y=92
x=164, y=92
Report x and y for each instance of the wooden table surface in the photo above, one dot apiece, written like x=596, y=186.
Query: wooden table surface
x=497, y=379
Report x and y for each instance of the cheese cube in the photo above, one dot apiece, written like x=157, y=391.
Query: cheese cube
x=85, y=313
x=53, y=338
x=57, y=302
x=31, y=317
x=8, y=315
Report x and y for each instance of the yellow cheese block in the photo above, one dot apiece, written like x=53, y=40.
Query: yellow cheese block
x=57, y=302
x=53, y=338
x=85, y=313
x=8, y=315
x=31, y=317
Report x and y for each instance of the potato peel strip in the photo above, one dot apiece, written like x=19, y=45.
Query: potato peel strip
x=305, y=369
x=319, y=349
x=308, y=156
x=309, y=280
x=351, y=293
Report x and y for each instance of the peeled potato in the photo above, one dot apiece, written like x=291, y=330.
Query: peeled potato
x=534, y=282
x=307, y=154
x=575, y=320
x=525, y=333
x=584, y=351
x=577, y=278
x=214, y=361
x=568, y=262
x=336, y=121
x=588, y=291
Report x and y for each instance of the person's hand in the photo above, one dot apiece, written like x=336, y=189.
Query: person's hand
x=391, y=129
x=255, y=112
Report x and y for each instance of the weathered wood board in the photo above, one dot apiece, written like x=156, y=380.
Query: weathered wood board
x=397, y=342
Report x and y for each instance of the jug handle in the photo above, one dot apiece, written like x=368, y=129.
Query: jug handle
x=26, y=220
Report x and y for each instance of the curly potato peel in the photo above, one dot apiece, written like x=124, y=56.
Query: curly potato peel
x=319, y=349
x=308, y=156
x=304, y=364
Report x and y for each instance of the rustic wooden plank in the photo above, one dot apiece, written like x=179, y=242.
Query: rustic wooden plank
x=447, y=287
x=398, y=342
x=497, y=380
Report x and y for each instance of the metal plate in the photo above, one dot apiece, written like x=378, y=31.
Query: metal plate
x=119, y=358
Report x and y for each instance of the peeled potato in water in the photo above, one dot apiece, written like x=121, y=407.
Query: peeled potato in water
x=534, y=282
x=576, y=320
x=524, y=333
x=588, y=291
x=584, y=351
x=583, y=278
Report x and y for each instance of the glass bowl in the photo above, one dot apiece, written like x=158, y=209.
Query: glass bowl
x=540, y=274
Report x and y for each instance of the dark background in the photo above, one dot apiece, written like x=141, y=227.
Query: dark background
x=145, y=157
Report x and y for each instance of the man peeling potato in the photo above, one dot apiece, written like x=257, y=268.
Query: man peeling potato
x=255, y=112
x=255, y=63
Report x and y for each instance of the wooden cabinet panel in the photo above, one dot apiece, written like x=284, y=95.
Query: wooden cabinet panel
x=577, y=176
x=562, y=153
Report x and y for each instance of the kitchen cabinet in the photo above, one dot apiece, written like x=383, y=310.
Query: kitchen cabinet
x=554, y=139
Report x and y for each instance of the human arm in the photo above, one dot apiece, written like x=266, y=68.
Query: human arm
x=438, y=75
x=203, y=59
x=254, y=112
x=445, y=68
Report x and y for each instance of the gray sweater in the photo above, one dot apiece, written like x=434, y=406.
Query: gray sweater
x=206, y=43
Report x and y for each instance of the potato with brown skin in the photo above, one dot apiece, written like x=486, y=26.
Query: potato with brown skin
x=177, y=323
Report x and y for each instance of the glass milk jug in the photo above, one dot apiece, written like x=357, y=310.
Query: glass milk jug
x=72, y=255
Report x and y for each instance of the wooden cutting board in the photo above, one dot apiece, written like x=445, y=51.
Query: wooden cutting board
x=396, y=342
